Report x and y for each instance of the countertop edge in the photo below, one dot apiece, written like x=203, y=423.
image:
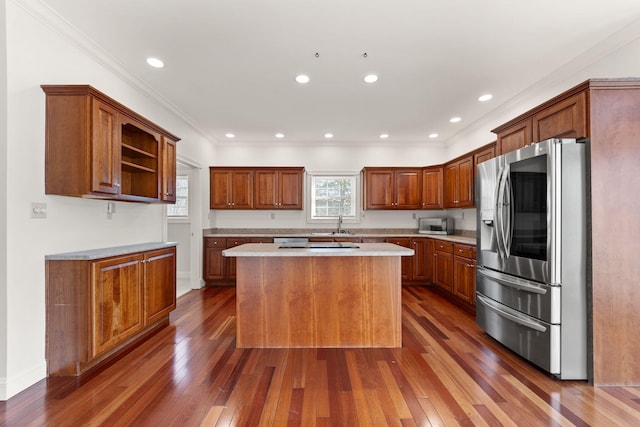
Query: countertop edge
x=92, y=254
x=273, y=250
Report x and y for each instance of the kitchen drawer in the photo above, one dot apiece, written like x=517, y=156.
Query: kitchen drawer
x=232, y=242
x=533, y=339
x=464, y=251
x=443, y=246
x=212, y=242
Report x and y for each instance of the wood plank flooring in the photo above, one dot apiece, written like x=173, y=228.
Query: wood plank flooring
x=447, y=373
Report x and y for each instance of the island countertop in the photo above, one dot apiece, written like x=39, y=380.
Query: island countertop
x=274, y=250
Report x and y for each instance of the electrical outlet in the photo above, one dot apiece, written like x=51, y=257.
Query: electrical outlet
x=111, y=209
x=38, y=210
x=273, y=216
x=415, y=216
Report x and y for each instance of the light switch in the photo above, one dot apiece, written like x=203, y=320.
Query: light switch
x=38, y=210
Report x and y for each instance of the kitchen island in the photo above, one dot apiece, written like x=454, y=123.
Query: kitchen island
x=330, y=296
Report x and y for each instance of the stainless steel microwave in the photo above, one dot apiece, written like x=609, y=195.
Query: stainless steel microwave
x=435, y=225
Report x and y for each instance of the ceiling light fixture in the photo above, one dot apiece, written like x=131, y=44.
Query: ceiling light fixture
x=229, y=135
x=370, y=78
x=328, y=135
x=433, y=135
x=279, y=135
x=384, y=135
x=155, y=62
x=485, y=97
x=302, y=79
x=455, y=119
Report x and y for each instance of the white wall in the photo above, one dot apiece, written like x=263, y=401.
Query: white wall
x=37, y=54
x=3, y=196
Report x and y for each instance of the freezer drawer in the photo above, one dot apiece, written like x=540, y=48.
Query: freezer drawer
x=537, y=341
x=535, y=299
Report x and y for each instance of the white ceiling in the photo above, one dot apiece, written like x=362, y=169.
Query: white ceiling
x=231, y=64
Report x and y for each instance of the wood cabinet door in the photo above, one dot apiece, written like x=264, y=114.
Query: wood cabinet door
x=514, y=137
x=290, y=189
x=420, y=260
x=450, y=185
x=266, y=189
x=116, y=301
x=406, y=261
x=482, y=156
x=231, y=262
x=443, y=270
x=464, y=279
x=428, y=260
x=159, y=284
x=241, y=189
x=213, y=261
x=465, y=183
x=566, y=119
x=408, y=189
x=168, y=180
x=219, y=189
x=432, y=188
x=378, y=191
x=105, y=149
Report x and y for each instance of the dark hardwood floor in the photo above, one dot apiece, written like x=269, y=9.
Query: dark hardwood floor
x=447, y=373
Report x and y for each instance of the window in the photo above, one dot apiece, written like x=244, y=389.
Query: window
x=333, y=195
x=181, y=208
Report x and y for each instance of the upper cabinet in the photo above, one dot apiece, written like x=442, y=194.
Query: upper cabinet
x=98, y=148
x=256, y=188
x=564, y=116
x=565, y=119
x=458, y=183
x=392, y=188
x=279, y=188
x=514, y=136
x=483, y=154
x=432, y=188
x=230, y=188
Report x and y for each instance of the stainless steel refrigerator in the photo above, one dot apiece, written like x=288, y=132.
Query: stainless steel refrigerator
x=531, y=280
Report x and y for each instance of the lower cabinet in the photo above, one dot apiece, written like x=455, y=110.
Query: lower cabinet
x=215, y=266
x=464, y=273
x=98, y=307
x=443, y=265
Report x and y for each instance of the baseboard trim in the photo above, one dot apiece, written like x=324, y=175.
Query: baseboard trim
x=10, y=386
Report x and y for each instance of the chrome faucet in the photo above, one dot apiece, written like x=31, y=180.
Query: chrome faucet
x=339, y=224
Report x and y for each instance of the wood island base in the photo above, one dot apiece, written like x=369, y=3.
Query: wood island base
x=318, y=301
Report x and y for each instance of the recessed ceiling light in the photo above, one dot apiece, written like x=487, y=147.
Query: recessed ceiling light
x=155, y=62
x=279, y=135
x=229, y=135
x=370, y=78
x=455, y=119
x=433, y=135
x=328, y=135
x=384, y=135
x=485, y=97
x=302, y=78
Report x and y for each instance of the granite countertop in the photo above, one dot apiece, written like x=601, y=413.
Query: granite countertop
x=463, y=236
x=92, y=254
x=274, y=250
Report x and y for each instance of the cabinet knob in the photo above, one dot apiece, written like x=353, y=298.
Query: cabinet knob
x=117, y=185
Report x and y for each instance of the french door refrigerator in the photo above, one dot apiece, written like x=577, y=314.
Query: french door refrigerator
x=531, y=279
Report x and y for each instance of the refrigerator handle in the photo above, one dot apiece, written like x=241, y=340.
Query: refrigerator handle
x=512, y=282
x=513, y=317
x=500, y=229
